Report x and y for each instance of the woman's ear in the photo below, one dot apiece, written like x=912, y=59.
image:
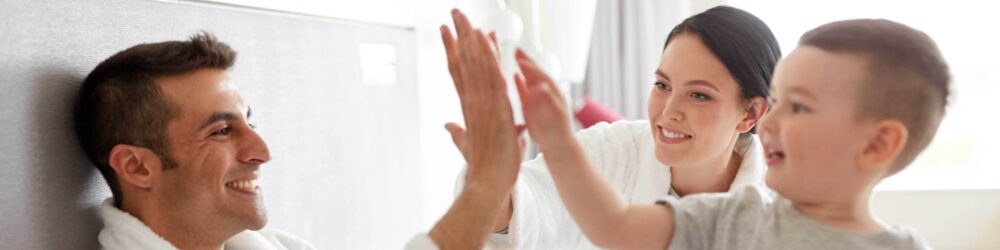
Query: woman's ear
x=135, y=166
x=755, y=110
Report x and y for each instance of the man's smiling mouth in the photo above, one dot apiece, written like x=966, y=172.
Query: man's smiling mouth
x=245, y=186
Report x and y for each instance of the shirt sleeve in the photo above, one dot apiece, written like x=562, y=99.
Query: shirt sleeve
x=704, y=220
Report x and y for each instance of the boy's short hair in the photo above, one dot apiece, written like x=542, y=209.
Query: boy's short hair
x=907, y=76
x=120, y=102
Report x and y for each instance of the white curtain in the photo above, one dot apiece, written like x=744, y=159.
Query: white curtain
x=625, y=49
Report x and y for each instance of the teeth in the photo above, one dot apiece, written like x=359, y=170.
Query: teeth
x=243, y=184
x=673, y=135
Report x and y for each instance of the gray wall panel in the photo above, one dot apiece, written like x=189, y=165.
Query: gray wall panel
x=345, y=154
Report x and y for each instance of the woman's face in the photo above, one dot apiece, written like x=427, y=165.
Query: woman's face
x=695, y=108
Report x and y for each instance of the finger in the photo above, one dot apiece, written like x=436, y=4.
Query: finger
x=519, y=129
x=462, y=26
x=457, y=135
x=532, y=73
x=522, y=144
x=492, y=64
x=486, y=45
x=521, y=89
x=496, y=45
x=535, y=77
x=447, y=38
x=450, y=52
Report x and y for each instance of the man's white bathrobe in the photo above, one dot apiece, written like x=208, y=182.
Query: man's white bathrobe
x=124, y=231
x=624, y=153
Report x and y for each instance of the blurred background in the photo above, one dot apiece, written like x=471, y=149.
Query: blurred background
x=352, y=97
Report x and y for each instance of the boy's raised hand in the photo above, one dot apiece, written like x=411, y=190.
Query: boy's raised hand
x=545, y=111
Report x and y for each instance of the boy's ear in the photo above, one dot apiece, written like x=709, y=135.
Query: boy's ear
x=135, y=166
x=755, y=110
x=884, y=145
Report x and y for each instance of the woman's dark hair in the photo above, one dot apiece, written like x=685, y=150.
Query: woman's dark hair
x=743, y=43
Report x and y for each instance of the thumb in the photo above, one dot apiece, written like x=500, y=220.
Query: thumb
x=522, y=144
x=457, y=135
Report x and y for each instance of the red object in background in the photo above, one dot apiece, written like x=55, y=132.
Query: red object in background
x=593, y=112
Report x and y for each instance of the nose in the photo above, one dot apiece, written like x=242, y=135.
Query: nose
x=672, y=109
x=254, y=150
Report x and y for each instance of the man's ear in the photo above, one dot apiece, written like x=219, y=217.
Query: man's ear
x=884, y=145
x=135, y=166
x=755, y=110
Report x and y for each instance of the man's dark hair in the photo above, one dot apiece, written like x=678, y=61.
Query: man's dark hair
x=907, y=76
x=121, y=103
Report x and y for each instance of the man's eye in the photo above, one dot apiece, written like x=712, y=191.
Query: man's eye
x=223, y=132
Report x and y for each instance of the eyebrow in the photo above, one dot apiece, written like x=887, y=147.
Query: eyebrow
x=223, y=116
x=692, y=82
x=803, y=92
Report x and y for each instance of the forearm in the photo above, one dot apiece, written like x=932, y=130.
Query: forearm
x=507, y=208
x=506, y=213
x=592, y=201
x=599, y=209
x=472, y=216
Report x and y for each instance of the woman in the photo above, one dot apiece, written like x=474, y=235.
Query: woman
x=711, y=88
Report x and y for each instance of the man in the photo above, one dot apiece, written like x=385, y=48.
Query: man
x=170, y=134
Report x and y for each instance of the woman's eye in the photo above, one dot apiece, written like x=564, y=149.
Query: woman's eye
x=700, y=96
x=799, y=108
x=661, y=86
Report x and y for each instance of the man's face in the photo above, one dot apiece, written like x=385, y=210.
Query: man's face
x=813, y=137
x=218, y=154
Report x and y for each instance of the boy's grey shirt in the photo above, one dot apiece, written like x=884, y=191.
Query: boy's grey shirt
x=748, y=219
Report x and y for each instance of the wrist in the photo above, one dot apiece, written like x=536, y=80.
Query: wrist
x=488, y=187
x=558, y=139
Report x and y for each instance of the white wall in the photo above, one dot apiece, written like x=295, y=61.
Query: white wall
x=440, y=161
x=947, y=219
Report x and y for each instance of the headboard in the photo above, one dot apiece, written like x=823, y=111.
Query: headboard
x=345, y=153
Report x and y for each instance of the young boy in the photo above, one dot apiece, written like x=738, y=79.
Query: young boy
x=855, y=103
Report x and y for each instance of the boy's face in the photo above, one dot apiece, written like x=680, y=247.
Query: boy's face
x=812, y=138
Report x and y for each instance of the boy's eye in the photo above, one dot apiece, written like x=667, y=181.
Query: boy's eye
x=253, y=126
x=700, y=96
x=799, y=108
